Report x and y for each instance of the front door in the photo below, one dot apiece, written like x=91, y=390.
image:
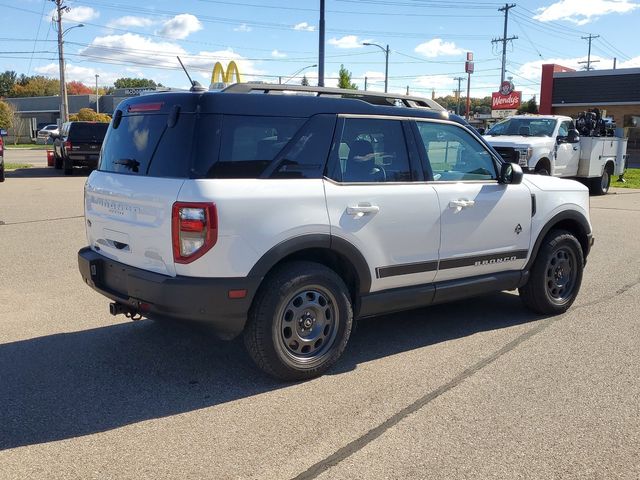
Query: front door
x=485, y=225
x=377, y=201
x=567, y=154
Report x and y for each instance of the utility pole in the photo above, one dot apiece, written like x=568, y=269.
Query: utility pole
x=589, y=61
x=458, y=94
x=321, y=47
x=63, y=87
x=504, y=38
x=97, y=98
x=365, y=83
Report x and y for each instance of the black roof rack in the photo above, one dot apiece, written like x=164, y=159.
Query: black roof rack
x=375, y=98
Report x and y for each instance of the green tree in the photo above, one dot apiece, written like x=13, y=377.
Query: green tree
x=89, y=115
x=529, y=107
x=7, y=81
x=305, y=81
x=6, y=115
x=128, y=82
x=344, y=79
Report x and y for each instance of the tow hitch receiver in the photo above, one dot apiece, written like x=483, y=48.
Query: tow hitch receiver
x=116, y=308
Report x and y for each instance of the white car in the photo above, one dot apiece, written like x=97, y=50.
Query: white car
x=47, y=131
x=286, y=217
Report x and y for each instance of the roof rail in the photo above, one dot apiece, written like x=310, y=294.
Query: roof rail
x=375, y=98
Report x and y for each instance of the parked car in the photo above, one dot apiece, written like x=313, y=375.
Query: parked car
x=286, y=217
x=78, y=144
x=48, y=132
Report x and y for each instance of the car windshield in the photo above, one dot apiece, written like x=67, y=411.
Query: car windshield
x=528, y=127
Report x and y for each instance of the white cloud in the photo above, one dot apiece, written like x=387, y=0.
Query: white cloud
x=437, y=48
x=348, y=41
x=134, y=49
x=181, y=26
x=80, y=74
x=631, y=63
x=243, y=27
x=77, y=14
x=130, y=21
x=277, y=54
x=582, y=12
x=304, y=26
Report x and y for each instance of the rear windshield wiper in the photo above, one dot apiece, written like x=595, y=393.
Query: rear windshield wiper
x=130, y=163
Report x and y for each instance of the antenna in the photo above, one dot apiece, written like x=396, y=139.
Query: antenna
x=195, y=86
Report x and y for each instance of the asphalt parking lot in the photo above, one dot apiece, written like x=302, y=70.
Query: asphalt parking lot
x=475, y=389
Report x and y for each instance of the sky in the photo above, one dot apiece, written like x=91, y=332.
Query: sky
x=273, y=40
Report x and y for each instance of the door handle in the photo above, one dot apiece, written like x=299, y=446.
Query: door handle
x=575, y=149
x=458, y=205
x=363, y=209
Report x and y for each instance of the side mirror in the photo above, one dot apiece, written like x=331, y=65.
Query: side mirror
x=573, y=137
x=510, y=173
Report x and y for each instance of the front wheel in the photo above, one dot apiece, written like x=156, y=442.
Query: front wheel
x=300, y=321
x=556, y=276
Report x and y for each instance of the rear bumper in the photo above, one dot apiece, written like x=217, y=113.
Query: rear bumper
x=195, y=299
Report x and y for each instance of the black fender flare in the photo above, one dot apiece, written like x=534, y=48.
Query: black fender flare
x=316, y=241
x=571, y=215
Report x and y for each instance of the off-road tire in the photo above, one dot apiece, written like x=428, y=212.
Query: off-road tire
x=57, y=161
x=68, y=166
x=273, y=312
x=556, y=276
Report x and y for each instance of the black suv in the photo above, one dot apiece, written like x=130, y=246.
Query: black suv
x=78, y=144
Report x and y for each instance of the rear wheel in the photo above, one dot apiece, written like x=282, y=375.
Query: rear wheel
x=600, y=185
x=68, y=166
x=300, y=321
x=556, y=276
x=57, y=161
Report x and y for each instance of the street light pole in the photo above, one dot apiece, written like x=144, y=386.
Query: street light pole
x=97, y=98
x=297, y=72
x=386, y=63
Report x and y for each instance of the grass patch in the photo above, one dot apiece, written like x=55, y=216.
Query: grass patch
x=27, y=146
x=15, y=166
x=632, y=179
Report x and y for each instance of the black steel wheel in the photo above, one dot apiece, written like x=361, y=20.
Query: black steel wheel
x=556, y=275
x=300, y=321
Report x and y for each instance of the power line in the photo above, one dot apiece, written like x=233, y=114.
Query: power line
x=589, y=61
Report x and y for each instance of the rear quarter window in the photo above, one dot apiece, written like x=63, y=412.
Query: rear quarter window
x=145, y=145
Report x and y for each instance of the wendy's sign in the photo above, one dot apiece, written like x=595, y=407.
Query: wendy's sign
x=506, y=98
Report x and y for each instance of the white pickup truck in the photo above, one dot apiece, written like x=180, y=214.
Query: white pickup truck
x=551, y=145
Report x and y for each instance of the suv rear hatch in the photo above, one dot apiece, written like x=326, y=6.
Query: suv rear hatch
x=84, y=140
x=144, y=162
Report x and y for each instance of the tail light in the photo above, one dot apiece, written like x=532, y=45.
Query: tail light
x=194, y=230
x=67, y=145
x=1, y=147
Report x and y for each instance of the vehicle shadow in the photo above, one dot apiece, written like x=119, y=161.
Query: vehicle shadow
x=72, y=384
x=45, y=172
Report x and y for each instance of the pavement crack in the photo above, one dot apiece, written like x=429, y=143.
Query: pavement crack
x=359, y=443
x=40, y=221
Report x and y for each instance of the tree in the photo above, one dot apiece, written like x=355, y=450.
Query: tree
x=89, y=115
x=78, y=88
x=529, y=107
x=6, y=115
x=344, y=79
x=7, y=81
x=127, y=82
x=35, y=86
x=305, y=81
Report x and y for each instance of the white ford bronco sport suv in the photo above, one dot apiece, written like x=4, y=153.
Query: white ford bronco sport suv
x=285, y=217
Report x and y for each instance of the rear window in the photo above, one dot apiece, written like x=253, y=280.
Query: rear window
x=88, y=132
x=146, y=145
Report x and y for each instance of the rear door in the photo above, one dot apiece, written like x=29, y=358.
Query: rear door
x=377, y=200
x=129, y=199
x=485, y=225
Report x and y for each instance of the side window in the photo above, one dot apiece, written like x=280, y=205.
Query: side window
x=371, y=150
x=306, y=155
x=564, y=129
x=454, y=154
